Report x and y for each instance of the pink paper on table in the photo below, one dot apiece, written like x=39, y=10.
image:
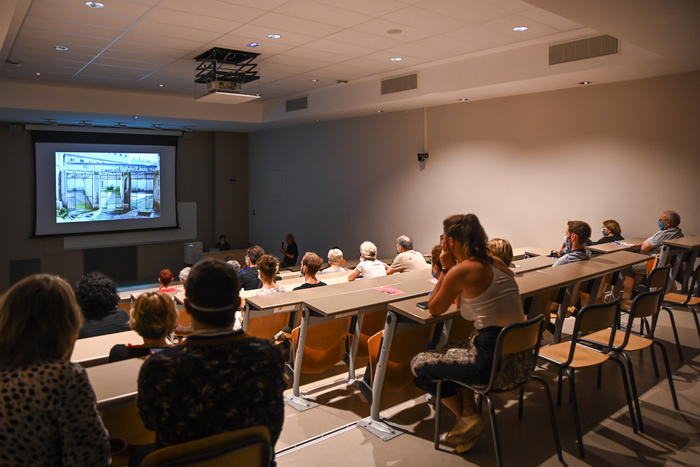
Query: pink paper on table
x=389, y=290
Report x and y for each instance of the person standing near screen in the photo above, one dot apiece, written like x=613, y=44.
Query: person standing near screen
x=291, y=253
x=222, y=245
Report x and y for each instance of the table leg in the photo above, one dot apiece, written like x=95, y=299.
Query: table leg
x=352, y=358
x=246, y=317
x=296, y=400
x=561, y=315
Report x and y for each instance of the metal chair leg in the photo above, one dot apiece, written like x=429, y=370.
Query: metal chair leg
x=577, y=422
x=635, y=395
x=668, y=374
x=438, y=407
x=625, y=384
x=675, y=333
x=552, y=418
x=494, y=430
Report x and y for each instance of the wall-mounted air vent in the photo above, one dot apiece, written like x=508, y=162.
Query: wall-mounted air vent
x=583, y=49
x=297, y=104
x=402, y=83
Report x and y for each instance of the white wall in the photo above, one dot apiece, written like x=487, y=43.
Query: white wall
x=524, y=164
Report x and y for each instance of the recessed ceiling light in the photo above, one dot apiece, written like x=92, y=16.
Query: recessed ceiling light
x=342, y=81
x=253, y=44
x=583, y=83
x=314, y=80
x=396, y=59
x=380, y=111
x=274, y=36
x=60, y=47
x=394, y=31
x=520, y=29
x=95, y=4
x=161, y=85
x=463, y=100
x=37, y=73
x=136, y=116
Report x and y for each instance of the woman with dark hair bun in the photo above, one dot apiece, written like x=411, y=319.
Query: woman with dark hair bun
x=48, y=415
x=98, y=299
x=490, y=298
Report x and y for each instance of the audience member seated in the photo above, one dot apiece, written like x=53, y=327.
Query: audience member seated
x=565, y=248
x=501, y=249
x=98, y=298
x=291, y=253
x=611, y=232
x=165, y=278
x=489, y=296
x=48, y=414
x=268, y=266
x=369, y=266
x=218, y=380
x=407, y=259
x=183, y=275
x=249, y=277
x=310, y=264
x=577, y=233
x=222, y=245
x=435, y=264
x=335, y=257
x=154, y=318
x=668, y=230
x=235, y=265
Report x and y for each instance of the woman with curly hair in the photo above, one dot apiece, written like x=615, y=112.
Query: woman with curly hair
x=268, y=266
x=48, y=415
x=490, y=298
x=165, y=278
x=98, y=298
x=154, y=318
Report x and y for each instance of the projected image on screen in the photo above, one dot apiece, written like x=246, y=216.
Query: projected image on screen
x=100, y=186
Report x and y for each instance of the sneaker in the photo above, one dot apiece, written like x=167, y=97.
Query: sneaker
x=467, y=430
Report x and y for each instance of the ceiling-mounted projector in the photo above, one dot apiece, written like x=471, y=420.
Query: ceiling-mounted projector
x=224, y=72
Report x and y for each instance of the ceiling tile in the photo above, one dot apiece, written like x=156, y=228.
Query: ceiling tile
x=259, y=34
x=379, y=27
x=514, y=6
x=322, y=13
x=482, y=36
x=386, y=56
x=215, y=9
x=473, y=12
x=373, y=66
x=425, y=19
x=451, y=44
x=267, y=5
x=377, y=7
x=126, y=8
x=418, y=51
x=283, y=67
x=311, y=54
x=190, y=20
x=277, y=22
x=126, y=46
x=326, y=45
x=46, y=40
x=506, y=24
x=34, y=22
x=266, y=47
x=363, y=40
x=170, y=42
x=284, y=59
x=124, y=55
x=169, y=30
x=550, y=19
x=101, y=60
x=79, y=15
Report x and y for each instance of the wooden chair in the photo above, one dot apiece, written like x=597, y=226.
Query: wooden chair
x=656, y=279
x=404, y=347
x=687, y=301
x=249, y=447
x=645, y=305
x=569, y=356
x=372, y=323
x=265, y=327
x=515, y=338
x=324, y=346
x=125, y=423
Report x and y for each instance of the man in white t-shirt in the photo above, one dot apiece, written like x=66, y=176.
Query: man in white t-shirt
x=407, y=259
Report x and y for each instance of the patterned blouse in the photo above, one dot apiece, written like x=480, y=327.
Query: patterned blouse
x=48, y=417
x=211, y=384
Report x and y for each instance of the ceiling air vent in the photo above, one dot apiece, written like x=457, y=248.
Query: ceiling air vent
x=297, y=104
x=402, y=83
x=583, y=49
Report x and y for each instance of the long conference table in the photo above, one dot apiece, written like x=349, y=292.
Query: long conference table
x=115, y=383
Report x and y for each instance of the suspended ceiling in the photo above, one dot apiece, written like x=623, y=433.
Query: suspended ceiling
x=136, y=58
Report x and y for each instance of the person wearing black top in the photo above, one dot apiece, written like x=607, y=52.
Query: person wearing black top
x=291, y=253
x=98, y=298
x=222, y=245
x=611, y=232
x=310, y=265
x=249, y=277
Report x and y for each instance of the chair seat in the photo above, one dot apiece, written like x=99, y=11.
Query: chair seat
x=626, y=304
x=583, y=357
x=633, y=344
x=679, y=299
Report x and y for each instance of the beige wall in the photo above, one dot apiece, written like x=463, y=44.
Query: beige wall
x=524, y=164
x=197, y=181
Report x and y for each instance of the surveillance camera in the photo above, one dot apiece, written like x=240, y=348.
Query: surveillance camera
x=422, y=156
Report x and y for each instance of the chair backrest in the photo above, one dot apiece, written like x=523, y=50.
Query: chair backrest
x=265, y=327
x=249, y=446
x=324, y=345
x=594, y=318
x=658, y=277
x=518, y=340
